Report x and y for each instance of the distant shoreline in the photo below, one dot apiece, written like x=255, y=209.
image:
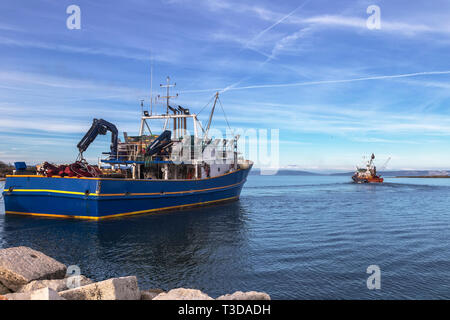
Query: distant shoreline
x=423, y=177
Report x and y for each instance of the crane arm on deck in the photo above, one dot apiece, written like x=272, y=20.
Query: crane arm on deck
x=162, y=141
x=99, y=126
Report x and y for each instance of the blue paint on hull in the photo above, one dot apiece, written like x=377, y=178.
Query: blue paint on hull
x=102, y=198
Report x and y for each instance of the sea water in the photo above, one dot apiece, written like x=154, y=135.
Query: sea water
x=294, y=237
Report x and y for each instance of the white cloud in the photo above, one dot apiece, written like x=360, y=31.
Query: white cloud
x=360, y=23
x=289, y=43
x=118, y=52
x=8, y=27
x=76, y=87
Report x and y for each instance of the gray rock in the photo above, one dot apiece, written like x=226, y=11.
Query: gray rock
x=18, y=296
x=41, y=294
x=3, y=289
x=125, y=288
x=57, y=285
x=183, y=294
x=21, y=265
x=251, y=295
x=150, y=294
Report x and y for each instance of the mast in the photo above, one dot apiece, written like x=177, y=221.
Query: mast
x=167, y=97
x=211, y=114
x=141, y=129
x=151, y=86
x=371, y=160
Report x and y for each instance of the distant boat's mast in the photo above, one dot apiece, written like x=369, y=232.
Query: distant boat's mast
x=371, y=160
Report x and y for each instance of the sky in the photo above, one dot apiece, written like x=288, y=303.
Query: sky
x=334, y=88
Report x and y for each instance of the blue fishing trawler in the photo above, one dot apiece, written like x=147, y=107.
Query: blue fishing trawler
x=146, y=173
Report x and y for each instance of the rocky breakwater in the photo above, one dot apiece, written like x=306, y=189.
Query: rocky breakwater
x=27, y=274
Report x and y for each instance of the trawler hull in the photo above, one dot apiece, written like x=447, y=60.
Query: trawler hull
x=101, y=198
x=367, y=180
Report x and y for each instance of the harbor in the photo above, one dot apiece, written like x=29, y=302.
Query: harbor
x=266, y=242
x=241, y=153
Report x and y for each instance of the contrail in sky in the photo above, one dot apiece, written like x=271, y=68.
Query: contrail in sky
x=309, y=83
x=269, y=57
x=277, y=23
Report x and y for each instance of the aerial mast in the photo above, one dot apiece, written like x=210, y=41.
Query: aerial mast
x=167, y=97
x=151, y=86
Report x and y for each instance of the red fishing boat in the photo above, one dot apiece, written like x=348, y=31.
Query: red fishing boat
x=367, y=174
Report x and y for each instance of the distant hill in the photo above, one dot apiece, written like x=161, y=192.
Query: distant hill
x=407, y=173
x=285, y=172
x=342, y=174
x=396, y=173
x=393, y=173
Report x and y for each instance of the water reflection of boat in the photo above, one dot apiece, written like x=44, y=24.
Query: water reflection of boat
x=180, y=249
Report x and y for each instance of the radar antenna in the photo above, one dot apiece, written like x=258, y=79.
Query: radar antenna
x=167, y=96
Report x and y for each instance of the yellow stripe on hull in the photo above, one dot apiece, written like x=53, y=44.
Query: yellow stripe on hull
x=121, y=194
x=121, y=214
x=51, y=191
x=52, y=215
